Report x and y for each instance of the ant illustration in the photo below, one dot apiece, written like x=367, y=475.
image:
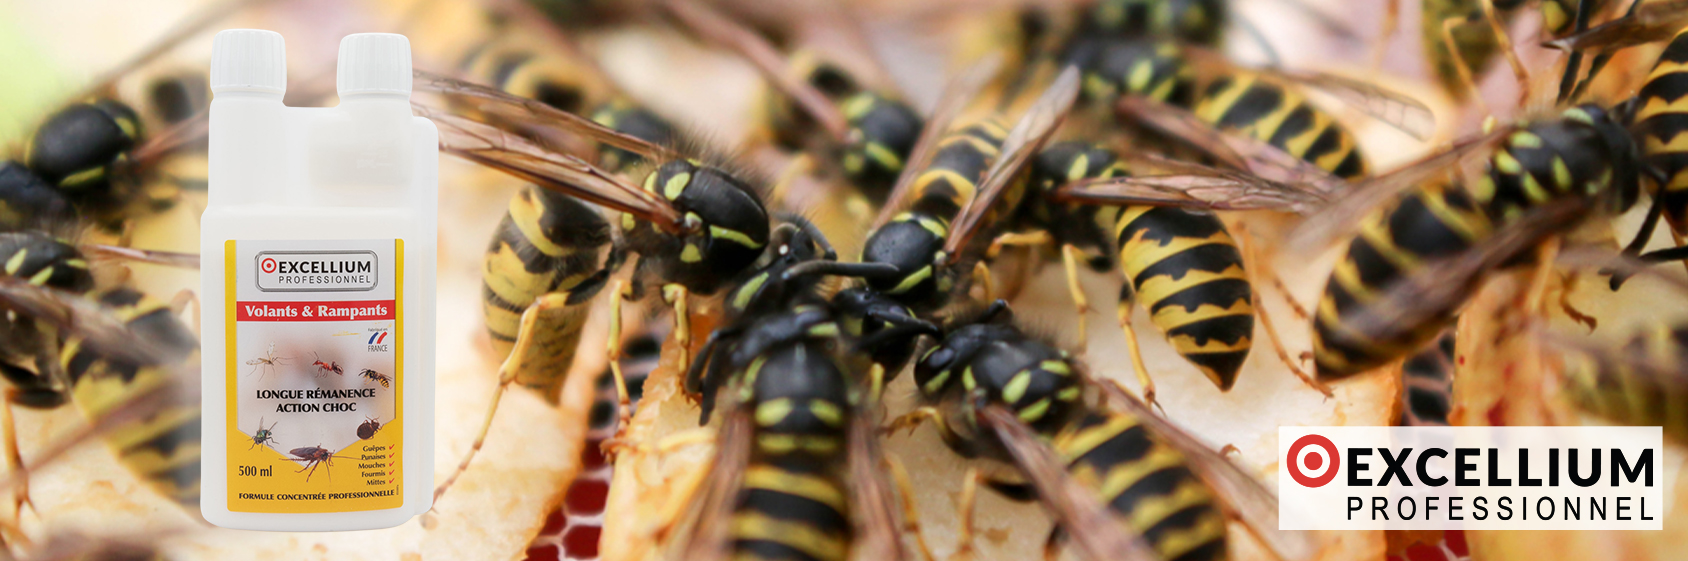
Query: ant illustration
x=367, y=430
x=268, y=362
x=264, y=436
x=326, y=367
x=314, y=455
x=385, y=380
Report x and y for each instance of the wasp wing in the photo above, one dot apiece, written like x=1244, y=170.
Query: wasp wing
x=1342, y=216
x=873, y=505
x=1023, y=141
x=1099, y=534
x=1396, y=109
x=1248, y=499
x=517, y=156
x=156, y=257
x=1230, y=150
x=716, y=28
x=1653, y=21
x=100, y=330
x=1191, y=185
x=1401, y=111
x=955, y=98
x=710, y=513
x=535, y=114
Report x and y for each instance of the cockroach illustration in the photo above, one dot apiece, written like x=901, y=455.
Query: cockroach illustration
x=385, y=380
x=367, y=430
x=314, y=455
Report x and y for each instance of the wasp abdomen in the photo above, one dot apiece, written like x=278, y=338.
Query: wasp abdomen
x=1434, y=222
x=1185, y=268
x=1147, y=483
x=1661, y=119
x=1250, y=104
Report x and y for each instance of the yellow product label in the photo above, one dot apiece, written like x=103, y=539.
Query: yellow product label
x=315, y=375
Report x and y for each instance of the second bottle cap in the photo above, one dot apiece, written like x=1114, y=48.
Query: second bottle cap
x=374, y=63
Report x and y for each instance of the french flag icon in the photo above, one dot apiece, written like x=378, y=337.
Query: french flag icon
x=377, y=338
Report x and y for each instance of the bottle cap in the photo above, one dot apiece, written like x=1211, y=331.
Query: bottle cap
x=374, y=63
x=252, y=59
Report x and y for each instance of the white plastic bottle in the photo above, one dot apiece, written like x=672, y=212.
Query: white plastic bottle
x=317, y=254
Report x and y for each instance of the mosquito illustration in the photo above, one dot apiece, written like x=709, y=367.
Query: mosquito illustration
x=264, y=436
x=385, y=380
x=268, y=362
x=314, y=455
x=326, y=367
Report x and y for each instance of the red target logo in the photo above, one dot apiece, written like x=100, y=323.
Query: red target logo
x=1299, y=465
x=267, y=265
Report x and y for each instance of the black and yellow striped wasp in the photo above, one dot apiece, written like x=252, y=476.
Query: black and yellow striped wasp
x=1121, y=481
x=1461, y=37
x=1639, y=383
x=797, y=471
x=1659, y=115
x=853, y=120
x=962, y=182
x=126, y=361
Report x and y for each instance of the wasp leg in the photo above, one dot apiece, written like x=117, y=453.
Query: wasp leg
x=982, y=278
x=911, y=515
x=14, y=457
x=624, y=402
x=1255, y=261
x=1229, y=449
x=1569, y=285
x=683, y=439
x=1052, y=545
x=1069, y=259
x=913, y=419
x=1126, y=302
x=680, y=298
x=1029, y=240
x=1519, y=71
x=1380, y=45
x=526, y=335
x=964, y=512
x=1024, y=239
x=1465, y=74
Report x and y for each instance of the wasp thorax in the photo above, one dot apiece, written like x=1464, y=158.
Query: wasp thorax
x=882, y=133
x=913, y=243
x=727, y=226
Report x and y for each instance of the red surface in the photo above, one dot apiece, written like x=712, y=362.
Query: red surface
x=586, y=496
x=582, y=542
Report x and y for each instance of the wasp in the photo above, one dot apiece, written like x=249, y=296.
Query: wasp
x=1427, y=395
x=868, y=133
x=264, y=436
x=314, y=456
x=939, y=207
x=694, y=227
x=1638, y=383
x=798, y=464
x=120, y=356
x=96, y=151
x=373, y=376
x=1182, y=264
x=268, y=362
x=366, y=430
x=1461, y=36
x=996, y=392
x=328, y=367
